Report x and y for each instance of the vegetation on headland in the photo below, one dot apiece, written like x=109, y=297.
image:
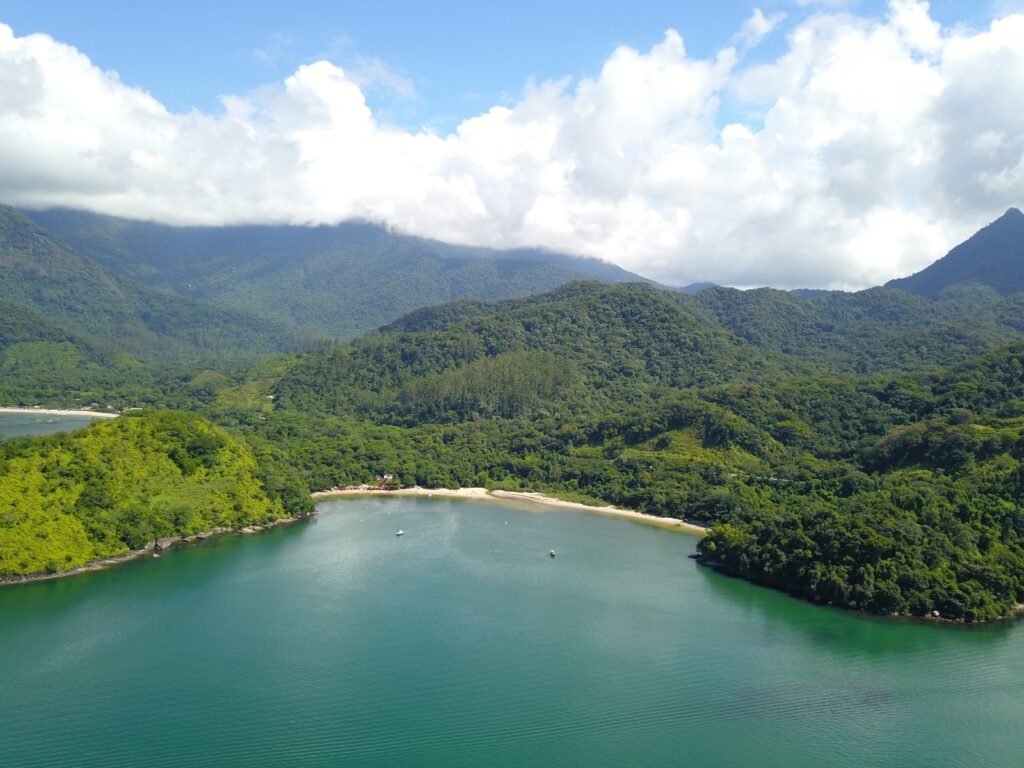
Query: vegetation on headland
x=72, y=498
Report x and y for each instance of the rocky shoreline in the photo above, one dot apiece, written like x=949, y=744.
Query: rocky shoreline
x=152, y=549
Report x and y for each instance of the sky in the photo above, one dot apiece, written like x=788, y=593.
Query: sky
x=787, y=143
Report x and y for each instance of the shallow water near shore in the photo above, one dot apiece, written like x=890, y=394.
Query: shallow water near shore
x=30, y=423
x=334, y=642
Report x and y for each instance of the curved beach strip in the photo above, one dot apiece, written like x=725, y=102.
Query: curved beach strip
x=59, y=412
x=520, y=496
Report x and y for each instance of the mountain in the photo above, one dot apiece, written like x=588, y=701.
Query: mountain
x=73, y=332
x=335, y=281
x=588, y=343
x=994, y=257
x=927, y=520
x=878, y=329
x=86, y=301
x=42, y=361
x=695, y=287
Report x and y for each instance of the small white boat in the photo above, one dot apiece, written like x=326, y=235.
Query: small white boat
x=552, y=553
x=400, y=532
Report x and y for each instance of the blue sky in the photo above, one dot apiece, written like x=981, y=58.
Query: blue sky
x=459, y=57
x=794, y=143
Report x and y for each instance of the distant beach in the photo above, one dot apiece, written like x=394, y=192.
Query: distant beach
x=59, y=412
x=483, y=494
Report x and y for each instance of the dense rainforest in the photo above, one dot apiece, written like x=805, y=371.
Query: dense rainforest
x=71, y=498
x=858, y=449
x=330, y=282
x=43, y=275
x=896, y=493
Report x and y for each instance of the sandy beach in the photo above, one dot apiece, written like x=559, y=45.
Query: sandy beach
x=59, y=412
x=482, y=494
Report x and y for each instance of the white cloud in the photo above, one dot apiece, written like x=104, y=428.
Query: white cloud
x=878, y=144
x=369, y=72
x=757, y=27
x=911, y=20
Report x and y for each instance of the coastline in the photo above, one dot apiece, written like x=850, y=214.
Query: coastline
x=539, y=499
x=59, y=412
x=152, y=548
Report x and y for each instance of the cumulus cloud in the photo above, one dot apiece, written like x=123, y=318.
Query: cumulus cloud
x=878, y=144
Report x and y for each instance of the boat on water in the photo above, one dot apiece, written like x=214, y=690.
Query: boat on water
x=552, y=553
x=399, y=532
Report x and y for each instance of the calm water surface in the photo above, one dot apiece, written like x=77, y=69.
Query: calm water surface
x=18, y=424
x=462, y=643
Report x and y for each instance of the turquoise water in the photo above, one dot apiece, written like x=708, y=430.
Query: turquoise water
x=462, y=643
x=17, y=424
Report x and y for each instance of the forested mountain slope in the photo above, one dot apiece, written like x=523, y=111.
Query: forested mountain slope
x=879, y=329
x=993, y=257
x=931, y=520
x=39, y=273
x=334, y=281
x=587, y=344
x=43, y=362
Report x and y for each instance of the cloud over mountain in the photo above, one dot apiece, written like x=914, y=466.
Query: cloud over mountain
x=863, y=151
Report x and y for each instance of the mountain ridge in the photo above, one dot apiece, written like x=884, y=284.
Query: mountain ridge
x=330, y=281
x=45, y=275
x=992, y=256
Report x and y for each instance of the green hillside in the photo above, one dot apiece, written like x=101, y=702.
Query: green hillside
x=43, y=362
x=993, y=257
x=114, y=486
x=890, y=493
x=334, y=282
x=585, y=346
x=879, y=329
x=39, y=273
x=931, y=521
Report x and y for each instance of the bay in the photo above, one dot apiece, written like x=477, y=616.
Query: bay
x=30, y=423
x=463, y=643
